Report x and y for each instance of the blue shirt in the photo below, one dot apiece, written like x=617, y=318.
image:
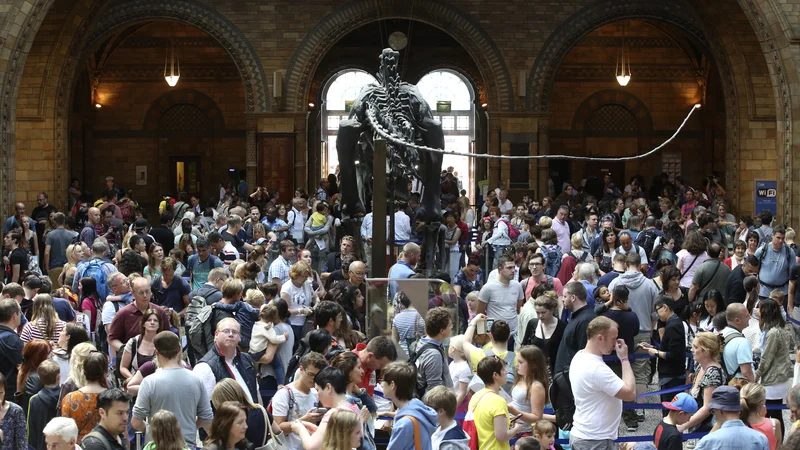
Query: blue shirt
x=776, y=268
x=10, y=223
x=199, y=270
x=63, y=309
x=733, y=435
x=400, y=270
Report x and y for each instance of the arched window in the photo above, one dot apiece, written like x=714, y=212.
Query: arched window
x=340, y=93
x=452, y=100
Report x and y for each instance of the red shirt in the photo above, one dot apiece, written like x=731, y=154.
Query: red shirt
x=369, y=380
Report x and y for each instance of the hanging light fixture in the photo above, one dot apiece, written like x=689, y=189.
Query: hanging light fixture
x=173, y=76
x=623, y=70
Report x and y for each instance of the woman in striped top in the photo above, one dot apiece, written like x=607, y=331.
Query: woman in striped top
x=44, y=323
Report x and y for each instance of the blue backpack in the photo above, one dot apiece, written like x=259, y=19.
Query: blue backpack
x=94, y=269
x=552, y=259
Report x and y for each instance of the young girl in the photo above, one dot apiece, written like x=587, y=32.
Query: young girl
x=166, y=432
x=155, y=257
x=754, y=410
x=530, y=387
x=545, y=432
x=264, y=334
x=343, y=431
x=602, y=293
x=461, y=375
x=712, y=304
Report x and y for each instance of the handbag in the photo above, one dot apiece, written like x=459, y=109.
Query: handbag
x=276, y=441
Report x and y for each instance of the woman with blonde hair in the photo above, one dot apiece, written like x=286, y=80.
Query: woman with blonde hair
x=44, y=323
x=343, y=431
x=753, y=398
x=228, y=390
x=81, y=405
x=74, y=256
x=709, y=374
x=228, y=429
x=77, y=377
x=165, y=432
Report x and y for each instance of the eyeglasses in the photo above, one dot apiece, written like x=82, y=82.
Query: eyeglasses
x=312, y=374
x=230, y=332
x=359, y=274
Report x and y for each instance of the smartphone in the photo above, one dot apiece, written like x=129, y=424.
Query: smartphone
x=320, y=410
x=516, y=418
x=489, y=323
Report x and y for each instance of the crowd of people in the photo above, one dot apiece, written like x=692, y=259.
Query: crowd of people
x=246, y=323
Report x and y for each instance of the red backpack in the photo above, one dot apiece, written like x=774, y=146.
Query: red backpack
x=128, y=211
x=513, y=232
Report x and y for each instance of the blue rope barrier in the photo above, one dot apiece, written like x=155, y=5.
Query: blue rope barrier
x=666, y=391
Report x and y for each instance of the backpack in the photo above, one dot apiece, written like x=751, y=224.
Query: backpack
x=469, y=427
x=562, y=400
x=94, y=269
x=118, y=364
x=646, y=239
x=180, y=209
x=201, y=332
x=552, y=259
x=196, y=304
x=581, y=259
x=513, y=231
x=731, y=379
x=788, y=264
x=294, y=362
x=414, y=354
x=127, y=210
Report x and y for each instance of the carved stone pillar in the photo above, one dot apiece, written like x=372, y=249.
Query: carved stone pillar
x=542, y=164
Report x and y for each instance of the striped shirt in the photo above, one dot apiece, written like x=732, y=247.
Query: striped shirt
x=228, y=255
x=409, y=324
x=38, y=330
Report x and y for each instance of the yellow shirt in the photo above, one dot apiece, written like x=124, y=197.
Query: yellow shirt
x=491, y=405
x=477, y=355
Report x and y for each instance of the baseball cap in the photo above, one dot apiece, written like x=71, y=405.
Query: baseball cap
x=682, y=402
x=725, y=398
x=140, y=224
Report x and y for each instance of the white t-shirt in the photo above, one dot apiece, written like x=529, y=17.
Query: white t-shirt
x=460, y=373
x=203, y=371
x=301, y=297
x=594, y=385
x=301, y=404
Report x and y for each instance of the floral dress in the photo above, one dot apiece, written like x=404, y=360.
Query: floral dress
x=713, y=377
x=82, y=408
x=14, y=435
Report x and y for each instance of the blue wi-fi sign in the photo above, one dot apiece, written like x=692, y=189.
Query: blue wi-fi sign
x=766, y=196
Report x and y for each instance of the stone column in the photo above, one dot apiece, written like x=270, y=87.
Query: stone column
x=251, y=150
x=542, y=164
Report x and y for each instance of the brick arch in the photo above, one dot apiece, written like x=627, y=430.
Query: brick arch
x=462, y=27
x=613, y=97
x=203, y=102
x=589, y=18
x=208, y=20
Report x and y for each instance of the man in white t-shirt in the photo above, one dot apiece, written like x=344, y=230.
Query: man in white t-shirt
x=297, y=400
x=505, y=205
x=598, y=392
x=501, y=299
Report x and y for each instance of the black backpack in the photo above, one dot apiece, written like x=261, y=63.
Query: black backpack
x=294, y=362
x=646, y=239
x=562, y=400
x=414, y=354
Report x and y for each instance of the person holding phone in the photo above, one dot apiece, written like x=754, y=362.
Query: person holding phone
x=298, y=400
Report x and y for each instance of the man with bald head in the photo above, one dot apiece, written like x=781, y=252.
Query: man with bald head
x=88, y=234
x=737, y=355
x=225, y=361
x=404, y=268
x=125, y=324
x=19, y=211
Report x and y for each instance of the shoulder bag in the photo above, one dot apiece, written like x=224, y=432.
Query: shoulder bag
x=276, y=441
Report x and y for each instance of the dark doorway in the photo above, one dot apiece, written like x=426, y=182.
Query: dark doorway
x=559, y=173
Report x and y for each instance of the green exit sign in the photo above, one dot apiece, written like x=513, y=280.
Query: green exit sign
x=443, y=106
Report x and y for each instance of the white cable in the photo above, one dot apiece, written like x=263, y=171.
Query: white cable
x=397, y=141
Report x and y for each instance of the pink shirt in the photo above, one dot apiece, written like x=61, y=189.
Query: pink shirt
x=562, y=232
